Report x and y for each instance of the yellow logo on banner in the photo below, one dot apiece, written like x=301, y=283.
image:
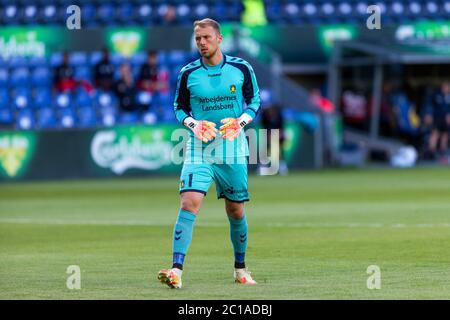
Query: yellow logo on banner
x=13, y=151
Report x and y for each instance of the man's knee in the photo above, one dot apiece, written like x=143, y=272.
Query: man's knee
x=191, y=202
x=235, y=210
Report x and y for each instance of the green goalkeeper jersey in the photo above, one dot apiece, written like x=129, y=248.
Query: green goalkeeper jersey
x=213, y=93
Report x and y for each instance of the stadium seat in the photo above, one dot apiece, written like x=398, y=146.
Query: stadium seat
x=30, y=14
x=56, y=59
x=108, y=119
x=83, y=73
x=10, y=14
x=95, y=57
x=42, y=98
x=4, y=78
x=129, y=118
x=149, y=118
x=144, y=99
x=25, y=119
x=22, y=99
x=105, y=13
x=77, y=59
x=17, y=62
x=125, y=13
x=41, y=77
x=6, y=116
x=46, y=118
x=37, y=61
x=86, y=117
x=4, y=98
x=83, y=99
x=144, y=13
x=20, y=77
x=105, y=100
x=48, y=14
x=66, y=118
x=138, y=59
x=63, y=100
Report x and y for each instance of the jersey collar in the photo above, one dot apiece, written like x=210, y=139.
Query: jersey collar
x=224, y=60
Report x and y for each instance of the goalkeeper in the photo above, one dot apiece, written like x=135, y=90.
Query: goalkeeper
x=209, y=101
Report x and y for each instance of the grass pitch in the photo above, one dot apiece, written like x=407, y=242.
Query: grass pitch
x=311, y=236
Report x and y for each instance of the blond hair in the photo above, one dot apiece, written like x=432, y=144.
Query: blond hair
x=207, y=22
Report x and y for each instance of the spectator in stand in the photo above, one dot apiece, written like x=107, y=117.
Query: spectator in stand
x=354, y=110
x=126, y=90
x=64, y=75
x=438, y=119
x=104, y=72
x=321, y=102
x=151, y=79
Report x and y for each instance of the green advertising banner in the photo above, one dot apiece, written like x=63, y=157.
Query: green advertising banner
x=29, y=41
x=117, y=151
x=120, y=149
x=16, y=150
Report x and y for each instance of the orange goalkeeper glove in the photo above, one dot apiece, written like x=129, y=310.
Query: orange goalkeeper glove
x=232, y=127
x=203, y=130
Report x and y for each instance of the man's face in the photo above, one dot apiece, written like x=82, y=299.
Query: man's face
x=207, y=40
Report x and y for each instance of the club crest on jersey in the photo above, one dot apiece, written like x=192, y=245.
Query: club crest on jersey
x=233, y=88
x=182, y=183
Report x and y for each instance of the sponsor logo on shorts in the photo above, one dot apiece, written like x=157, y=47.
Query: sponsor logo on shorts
x=231, y=190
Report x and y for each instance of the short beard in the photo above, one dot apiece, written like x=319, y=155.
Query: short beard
x=208, y=56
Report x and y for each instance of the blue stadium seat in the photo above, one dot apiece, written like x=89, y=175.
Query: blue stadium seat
x=25, y=119
x=105, y=13
x=78, y=59
x=83, y=72
x=117, y=59
x=105, y=100
x=129, y=118
x=41, y=77
x=149, y=118
x=108, y=119
x=46, y=118
x=201, y=11
x=17, y=62
x=125, y=13
x=30, y=14
x=138, y=58
x=184, y=13
x=56, y=59
x=4, y=78
x=10, y=14
x=63, y=100
x=95, y=57
x=22, y=98
x=86, y=117
x=42, y=98
x=48, y=14
x=144, y=99
x=83, y=99
x=37, y=61
x=66, y=118
x=6, y=116
x=144, y=14
x=89, y=15
x=177, y=57
x=4, y=98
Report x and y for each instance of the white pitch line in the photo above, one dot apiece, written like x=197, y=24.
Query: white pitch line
x=220, y=224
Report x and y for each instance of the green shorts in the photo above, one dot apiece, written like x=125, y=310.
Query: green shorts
x=231, y=180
